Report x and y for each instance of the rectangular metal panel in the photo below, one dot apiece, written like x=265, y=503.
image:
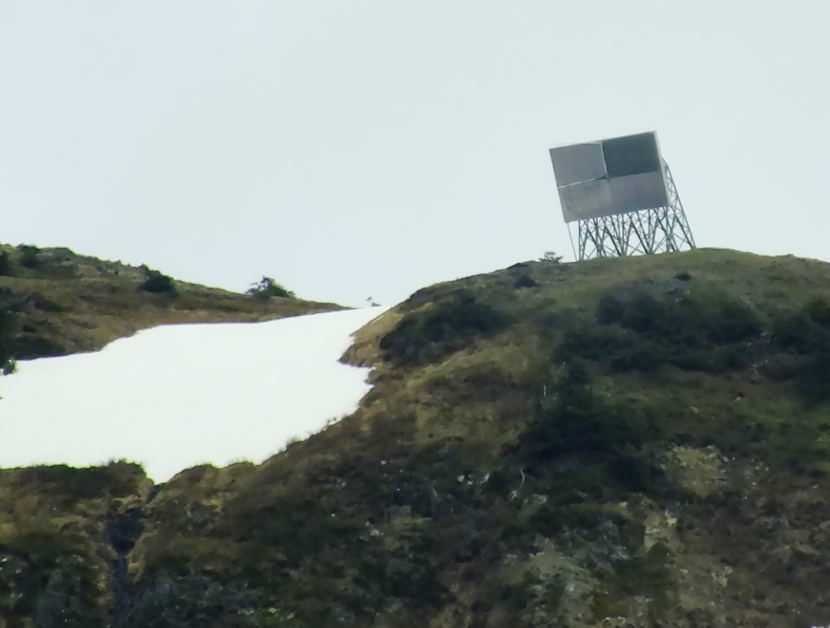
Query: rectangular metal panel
x=586, y=200
x=631, y=154
x=577, y=163
x=607, y=177
x=638, y=191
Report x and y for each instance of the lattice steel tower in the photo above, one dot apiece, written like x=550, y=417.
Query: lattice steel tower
x=623, y=197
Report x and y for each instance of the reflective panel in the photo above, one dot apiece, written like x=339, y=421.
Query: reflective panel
x=586, y=200
x=580, y=162
x=631, y=154
x=612, y=176
x=638, y=191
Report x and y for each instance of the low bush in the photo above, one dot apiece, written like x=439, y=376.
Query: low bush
x=7, y=335
x=117, y=479
x=705, y=330
x=704, y=317
x=819, y=312
x=29, y=255
x=268, y=287
x=806, y=332
x=5, y=263
x=525, y=281
x=155, y=281
x=447, y=327
x=580, y=422
x=29, y=344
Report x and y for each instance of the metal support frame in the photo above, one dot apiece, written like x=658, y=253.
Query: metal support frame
x=644, y=232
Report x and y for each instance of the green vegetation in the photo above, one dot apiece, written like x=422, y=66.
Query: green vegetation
x=62, y=302
x=155, y=281
x=8, y=329
x=446, y=327
x=612, y=438
x=806, y=334
x=550, y=257
x=616, y=442
x=116, y=479
x=50, y=566
x=5, y=263
x=525, y=281
x=29, y=255
x=580, y=421
x=268, y=287
x=698, y=329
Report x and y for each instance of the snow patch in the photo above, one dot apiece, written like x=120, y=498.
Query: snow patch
x=175, y=396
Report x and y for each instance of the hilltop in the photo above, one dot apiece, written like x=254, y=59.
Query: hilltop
x=66, y=303
x=620, y=442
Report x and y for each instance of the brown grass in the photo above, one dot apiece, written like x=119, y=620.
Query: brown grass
x=72, y=303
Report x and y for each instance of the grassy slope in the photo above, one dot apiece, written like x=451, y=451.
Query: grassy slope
x=69, y=303
x=514, y=465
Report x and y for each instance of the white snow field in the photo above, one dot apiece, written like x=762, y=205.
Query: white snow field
x=175, y=396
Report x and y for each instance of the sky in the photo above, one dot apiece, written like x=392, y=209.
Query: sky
x=165, y=399
x=372, y=147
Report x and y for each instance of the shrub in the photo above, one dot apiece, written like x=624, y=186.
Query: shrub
x=525, y=281
x=155, y=281
x=29, y=255
x=584, y=445
x=806, y=330
x=5, y=263
x=582, y=422
x=819, y=312
x=807, y=333
x=28, y=345
x=639, y=331
x=118, y=478
x=7, y=336
x=812, y=380
x=447, y=327
x=610, y=309
x=268, y=287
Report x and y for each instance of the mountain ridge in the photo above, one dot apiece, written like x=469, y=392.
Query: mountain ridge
x=67, y=303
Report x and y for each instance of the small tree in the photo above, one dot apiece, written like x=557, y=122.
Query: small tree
x=551, y=257
x=268, y=287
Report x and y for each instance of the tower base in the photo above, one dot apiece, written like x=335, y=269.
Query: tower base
x=644, y=232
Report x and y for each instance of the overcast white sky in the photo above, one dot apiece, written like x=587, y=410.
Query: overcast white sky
x=370, y=147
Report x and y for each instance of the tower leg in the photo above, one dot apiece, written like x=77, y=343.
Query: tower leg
x=644, y=232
